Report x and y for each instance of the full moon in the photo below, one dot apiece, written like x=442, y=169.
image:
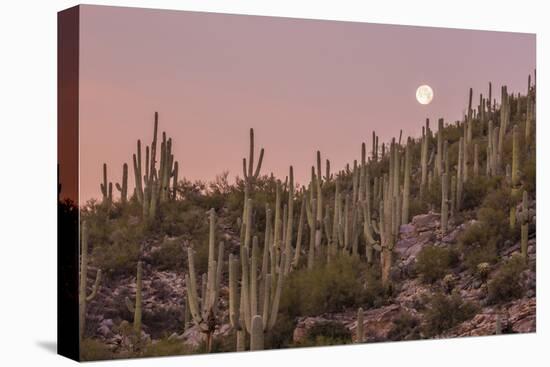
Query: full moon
x=424, y=94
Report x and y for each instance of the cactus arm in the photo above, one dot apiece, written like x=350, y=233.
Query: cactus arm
x=191, y=281
x=277, y=297
x=257, y=334
x=95, y=288
x=129, y=305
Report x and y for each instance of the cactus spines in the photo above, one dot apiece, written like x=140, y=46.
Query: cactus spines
x=123, y=188
x=444, y=202
x=360, y=332
x=205, y=317
x=257, y=333
x=83, y=297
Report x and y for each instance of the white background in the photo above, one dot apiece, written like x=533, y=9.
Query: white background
x=28, y=181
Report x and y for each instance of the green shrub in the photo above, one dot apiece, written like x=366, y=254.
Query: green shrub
x=170, y=256
x=326, y=333
x=506, y=285
x=481, y=240
x=94, y=350
x=434, y=262
x=476, y=189
x=118, y=258
x=405, y=327
x=444, y=312
x=165, y=347
x=325, y=288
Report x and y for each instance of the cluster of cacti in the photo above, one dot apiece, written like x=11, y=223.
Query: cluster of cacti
x=250, y=173
x=83, y=297
x=153, y=187
x=261, y=283
x=364, y=204
x=205, y=313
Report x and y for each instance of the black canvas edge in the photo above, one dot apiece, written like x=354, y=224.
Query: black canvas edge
x=68, y=35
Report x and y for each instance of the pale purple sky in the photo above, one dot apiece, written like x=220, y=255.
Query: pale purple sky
x=303, y=85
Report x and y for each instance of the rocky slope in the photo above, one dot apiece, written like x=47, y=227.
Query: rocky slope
x=164, y=297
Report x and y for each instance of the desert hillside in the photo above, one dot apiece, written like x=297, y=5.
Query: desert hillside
x=415, y=238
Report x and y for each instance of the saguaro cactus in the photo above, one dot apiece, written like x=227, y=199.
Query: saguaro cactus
x=257, y=333
x=83, y=297
x=251, y=309
x=106, y=188
x=123, y=188
x=250, y=173
x=136, y=309
x=406, y=184
x=444, y=202
x=360, y=332
x=524, y=219
x=153, y=186
x=206, y=317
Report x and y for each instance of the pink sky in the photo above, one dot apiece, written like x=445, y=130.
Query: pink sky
x=303, y=85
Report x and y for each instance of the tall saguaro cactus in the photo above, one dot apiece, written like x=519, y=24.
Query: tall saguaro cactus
x=251, y=172
x=106, y=188
x=257, y=310
x=205, y=315
x=524, y=219
x=123, y=188
x=444, y=202
x=360, y=337
x=83, y=297
x=153, y=186
x=136, y=308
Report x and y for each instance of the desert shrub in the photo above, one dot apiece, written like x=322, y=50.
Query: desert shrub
x=326, y=333
x=477, y=245
x=165, y=347
x=170, y=255
x=405, y=327
x=481, y=240
x=94, y=350
x=476, y=189
x=117, y=258
x=444, y=312
x=506, y=284
x=434, y=262
x=375, y=294
x=325, y=288
x=282, y=333
x=183, y=219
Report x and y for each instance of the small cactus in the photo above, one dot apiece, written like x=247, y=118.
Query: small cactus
x=84, y=298
x=483, y=270
x=360, y=332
